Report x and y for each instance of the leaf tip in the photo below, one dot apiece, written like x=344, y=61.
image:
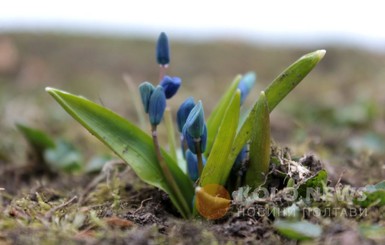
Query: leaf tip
x=262, y=96
x=321, y=53
x=51, y=90
x=48, y=89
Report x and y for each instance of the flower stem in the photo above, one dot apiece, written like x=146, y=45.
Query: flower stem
x=162, y=72
x=199, y=155
x=183, y=145
x=167, y=173
x=170, y=132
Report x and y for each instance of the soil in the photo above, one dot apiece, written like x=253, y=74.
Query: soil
x=90, y=209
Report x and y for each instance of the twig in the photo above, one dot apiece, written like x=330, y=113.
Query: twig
x=49, y=214
x=340, y=177
x=135, y=99
x=141, y=204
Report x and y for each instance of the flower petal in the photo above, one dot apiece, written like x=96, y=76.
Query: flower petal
x=162, y=50
x=146, y=89
x=157, y=105
x=183, y=112
x=170, y=85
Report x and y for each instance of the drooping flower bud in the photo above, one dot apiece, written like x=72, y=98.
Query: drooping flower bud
x=157, y=105
x=170, y=85
x=162, y=50
x=195, y=121
x=183, y=112
x=146, y=89
x=192, y=165
x=246, y=84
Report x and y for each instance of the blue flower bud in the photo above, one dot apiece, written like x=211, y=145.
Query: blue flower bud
x=191, y=141
x=170, y=85
x=146, y=90
x=157, y=105
x=192, y=165
x=195, y=121
x=246, y=84
x=162, y=50
x=183, y=112
x=240, y=159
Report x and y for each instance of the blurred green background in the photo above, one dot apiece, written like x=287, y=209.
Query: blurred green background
x=337, y=112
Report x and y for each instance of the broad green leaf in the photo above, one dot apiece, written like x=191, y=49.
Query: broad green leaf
x=275, y=92
x=216, y=116
x=130, y=143
x=36, y=138
x=64, y=156
x=317, y=181
x=298, y=230
x=259, y=145
x=291, y=77
x=217, y=166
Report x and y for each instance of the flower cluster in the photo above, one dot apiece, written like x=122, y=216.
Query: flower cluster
x=192, y=126
x=154, y=98
x=190, y=115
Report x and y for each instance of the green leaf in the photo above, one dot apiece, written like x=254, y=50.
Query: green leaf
x=259, y=145
x=374, y=195
x=36, y=138
x=275, y=92
x=317, y=181
x=170, y=132
x=130, y=143
x=64, y=156
x=298, y=230
x=376, y=187
x=217, y=115
x=375, y=198
x=291, y=77
x=217, y=166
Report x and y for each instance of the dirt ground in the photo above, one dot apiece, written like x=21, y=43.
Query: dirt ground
x=333, y=121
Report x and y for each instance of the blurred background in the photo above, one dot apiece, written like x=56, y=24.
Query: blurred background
x=85, y=47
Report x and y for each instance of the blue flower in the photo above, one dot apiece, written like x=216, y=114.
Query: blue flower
x=170, y=85
x=191, y=141
x=157, y=105
x=192, y=165
x=183, y=112
x=195, y=121
x=246, y=84
x=162, y=50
